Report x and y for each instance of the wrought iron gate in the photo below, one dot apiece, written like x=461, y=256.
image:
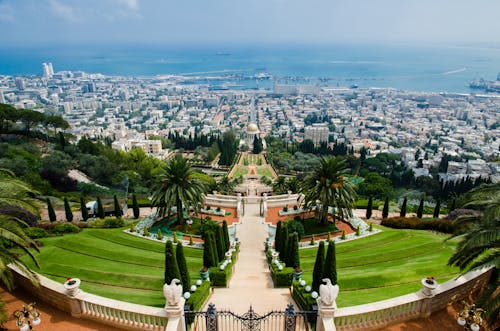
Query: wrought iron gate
x=213, y=320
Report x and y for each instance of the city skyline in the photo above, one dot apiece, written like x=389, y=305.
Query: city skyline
x=226, y=22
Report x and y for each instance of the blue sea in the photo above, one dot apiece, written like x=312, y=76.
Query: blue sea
x=416, y=68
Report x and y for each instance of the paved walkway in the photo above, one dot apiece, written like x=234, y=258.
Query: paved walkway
x=251, y=283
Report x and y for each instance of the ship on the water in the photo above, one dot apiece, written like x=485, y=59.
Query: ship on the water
x=487, y=85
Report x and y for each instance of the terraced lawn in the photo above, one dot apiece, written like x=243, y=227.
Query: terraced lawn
x=385, y=265
x=112, y=264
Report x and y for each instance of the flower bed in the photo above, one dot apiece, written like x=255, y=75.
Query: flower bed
x=213, y=211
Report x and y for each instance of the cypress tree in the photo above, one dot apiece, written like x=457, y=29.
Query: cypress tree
x=214, y=248
x=135, y=207
x=100, y=208
x=208, y=256
x=437, y=209
x=330, y=269
x=420, y=210
x=385, y=211
x=319, y=265
x=83, y=208
x=117, y=208
x=67, y=210
x=183, y=270
x=51, y=212
x=402, y=213
x=369, y=208
x=277, y=237
x=225, y=233
x=284, y=243
x=171, y=267
x=294, y=251
x=219, y=240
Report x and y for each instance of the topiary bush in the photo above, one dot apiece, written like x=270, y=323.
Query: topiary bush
x=111, y=222
x=35, y=233
x=65, y=228
x=197, y=299
x=295, y=226
x=440, y=225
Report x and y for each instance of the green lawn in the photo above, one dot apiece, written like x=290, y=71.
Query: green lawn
x=385, y=265
x=264, y=172
x=240, y=171
x=112, y=264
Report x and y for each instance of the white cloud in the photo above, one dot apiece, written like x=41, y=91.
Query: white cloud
x=130, y=4
x=6, y=13
x=63, y=10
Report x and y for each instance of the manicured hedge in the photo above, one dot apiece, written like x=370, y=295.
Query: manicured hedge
x=35, y=233
x=221, y=277
x=281, y=278
x=302, y=298
x=197, y=299
x=65, y=228
x=415, y=223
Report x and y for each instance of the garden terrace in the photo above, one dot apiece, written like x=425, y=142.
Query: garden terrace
x=112, y=264
x=385, y=265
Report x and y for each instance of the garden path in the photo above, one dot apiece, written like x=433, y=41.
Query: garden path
x=251, y=284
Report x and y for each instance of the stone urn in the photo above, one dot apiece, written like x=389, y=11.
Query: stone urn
x=205, y=274
x=72, y=286
x=297, y=274
x=428, y=286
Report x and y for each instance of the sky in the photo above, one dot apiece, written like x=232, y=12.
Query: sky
x=28, y=22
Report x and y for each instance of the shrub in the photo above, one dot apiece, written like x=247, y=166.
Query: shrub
x=294, y=226
x=175, y=238
x=295, y=207
x=67, y=210
x=50, y=210
x=319, y=265
x=217, y=209
x=132, y=227
x=171, y=267
x=402, y=212
x=312, y=240
x=111, y=222
x=371, y=227
x=220, y=277
x=183, y=270
x=197, y=299
x=357, y=231
x=191, y=242
x=343, y=237
x=303, y=299
x=441, y=225
x=385, y=210
x=159, y=235
x=285, y=209
x=83, y=210
x=146, y=232
x=135, y=207
x=35, y=233
x=420, y=210
x=65, y=228
x=369, y=208
x=330, y=268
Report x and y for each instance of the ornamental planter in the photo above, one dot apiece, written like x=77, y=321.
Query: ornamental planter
x=297, y=274
x=428, y=286
x=72, y=286
x=205, y=275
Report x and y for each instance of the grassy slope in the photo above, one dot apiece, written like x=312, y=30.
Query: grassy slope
x=112, y=264
x=386, y=265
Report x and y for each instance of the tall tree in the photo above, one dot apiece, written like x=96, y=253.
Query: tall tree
x=328, y=185
x=208, y=255
x=225, y=232
x=385, y=210
x=180, y=187
x=215, y=251
x=83, y=210
x=50, y=211
x=67, y=210
x=437, y=209
x=219, y=240
x=369, y=208
x=228, y=148
x=319, y=265
x=117, y=208
x=480, y=243
x=277, y=236
x=284, y=243
x=420, y=210
x=171, y=267
x=135, y=207
x=183, y=269
x=330, y=269
x=257, y=146
x=294, y=260
x=402, y=212
x=100, y=209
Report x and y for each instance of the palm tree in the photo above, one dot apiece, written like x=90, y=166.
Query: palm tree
x=327, y=186
x=178, y=186
x=480, y=242
x=15, y=193
x=280, y=185
x=226, y=185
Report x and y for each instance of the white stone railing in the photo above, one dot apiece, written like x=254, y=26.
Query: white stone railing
x=381, y=314
x=219, y=200
x=119, y=314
